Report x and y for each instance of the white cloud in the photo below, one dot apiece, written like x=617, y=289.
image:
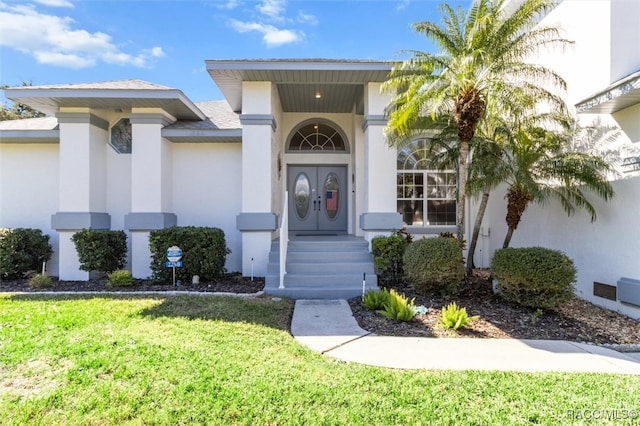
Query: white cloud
x=271, y=35
x=230, y=4
x=53, y=40
x=402, y=4
x=272, y=16
x=55, y=3
x=68, y=60
x=273, y=9
x=306, y=18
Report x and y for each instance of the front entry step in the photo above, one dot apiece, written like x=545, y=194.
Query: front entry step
x=322, y=267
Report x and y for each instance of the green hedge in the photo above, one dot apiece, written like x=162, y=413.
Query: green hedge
x=388, y=252
x=535, y=277
x=22, y=251
x=101, y=250
x=434, y=265
x=204, y=252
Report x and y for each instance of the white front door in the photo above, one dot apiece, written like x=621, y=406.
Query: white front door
x=317, y=198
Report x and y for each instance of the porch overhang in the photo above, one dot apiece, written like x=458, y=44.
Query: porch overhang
x=315, y=85
x=114, y=95
x=618, y=96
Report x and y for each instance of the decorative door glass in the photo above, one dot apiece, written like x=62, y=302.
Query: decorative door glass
x=331, y=190
x=302, y=192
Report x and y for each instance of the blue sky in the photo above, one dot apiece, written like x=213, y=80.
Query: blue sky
x=167, y=42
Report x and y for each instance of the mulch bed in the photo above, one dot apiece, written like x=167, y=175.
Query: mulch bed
x=231, y=283
x=576, y=320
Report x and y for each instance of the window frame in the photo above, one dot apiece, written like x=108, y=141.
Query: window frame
x=408, y=152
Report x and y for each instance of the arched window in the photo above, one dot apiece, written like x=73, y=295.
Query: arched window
x=317, y=136
x=425, y=197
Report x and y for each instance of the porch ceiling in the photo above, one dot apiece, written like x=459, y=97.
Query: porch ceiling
x=340, y=84
x=618, y=96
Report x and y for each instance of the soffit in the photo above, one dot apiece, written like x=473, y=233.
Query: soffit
x=340, y=83
x=618, y=96
x=122, y=95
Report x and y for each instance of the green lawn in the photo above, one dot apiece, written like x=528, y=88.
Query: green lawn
x=205, y=360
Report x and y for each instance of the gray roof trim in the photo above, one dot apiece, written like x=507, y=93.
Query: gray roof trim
x=203, y=136
x=49, y=99
x=374, y=120
x=298, y=64
x=310, y=74
x=30, y=136
x=82, y=118
x=259, y=120
x=619, y=95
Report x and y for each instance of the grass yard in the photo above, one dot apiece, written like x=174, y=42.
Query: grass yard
x=214, y=360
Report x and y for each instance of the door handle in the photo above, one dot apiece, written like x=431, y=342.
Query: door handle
x=319, y=202
x=314, y=205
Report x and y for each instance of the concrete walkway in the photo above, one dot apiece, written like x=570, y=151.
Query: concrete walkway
x=328, y=326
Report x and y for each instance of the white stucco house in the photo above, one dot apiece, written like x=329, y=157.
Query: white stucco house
x=138, y=156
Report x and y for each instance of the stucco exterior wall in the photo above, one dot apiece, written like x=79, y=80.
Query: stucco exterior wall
x=207, y=190
x=29, y=189
x=625, y=38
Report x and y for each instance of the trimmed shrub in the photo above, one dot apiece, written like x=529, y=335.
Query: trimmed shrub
x=22, y=251
x=535, y=277
x=119, y=278
x=204, y=252
x=387, y=257
x=434, y=265
x=40, y=281
x=100, y=250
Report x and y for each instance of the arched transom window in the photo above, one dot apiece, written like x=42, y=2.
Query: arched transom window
x=317, y=136
x=425, y=197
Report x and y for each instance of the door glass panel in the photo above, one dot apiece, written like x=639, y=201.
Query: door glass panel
x=302, y=190
x=331, y=192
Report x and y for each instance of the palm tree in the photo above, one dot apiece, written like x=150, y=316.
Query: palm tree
x=481, y=62
x=541, y=168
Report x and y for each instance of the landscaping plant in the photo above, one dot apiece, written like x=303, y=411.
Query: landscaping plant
x=455, y=317
x=387, y=256
x=535, y=277
x=22, y=251
x=119, y=278
x=375, y=300
x=434, y=265
x=204, y=252
x=398, y=307
x=101, y=250
x=40, y=281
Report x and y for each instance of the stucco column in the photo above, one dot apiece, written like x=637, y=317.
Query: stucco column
x=257, y=220
x=151, y=186
x=82, y=195
x=380, y=214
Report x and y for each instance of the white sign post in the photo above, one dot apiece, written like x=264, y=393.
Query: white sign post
x=174, y=254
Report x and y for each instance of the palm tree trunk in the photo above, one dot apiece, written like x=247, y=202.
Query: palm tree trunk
x=517, y=202
x=476, y=230
x=507, y=238
x=462, y=188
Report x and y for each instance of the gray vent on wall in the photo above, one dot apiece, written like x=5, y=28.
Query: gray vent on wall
x=629, y=291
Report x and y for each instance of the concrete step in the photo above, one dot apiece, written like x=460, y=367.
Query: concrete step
x=322, y=267
x=315, y=256
x=315, y=293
